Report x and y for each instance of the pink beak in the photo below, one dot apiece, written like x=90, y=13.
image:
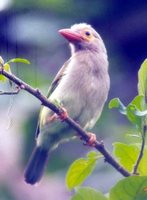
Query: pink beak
x=71, y=35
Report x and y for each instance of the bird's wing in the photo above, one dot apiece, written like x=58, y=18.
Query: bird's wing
x=57, y=78
x=53, y=86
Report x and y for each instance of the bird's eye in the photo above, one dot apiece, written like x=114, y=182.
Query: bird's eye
x=87, y=33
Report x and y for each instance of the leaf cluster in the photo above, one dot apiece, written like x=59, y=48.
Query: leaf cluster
x=6, y=66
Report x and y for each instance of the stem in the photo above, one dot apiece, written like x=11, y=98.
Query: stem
x=11, y=93
x=141, y=150
x=58, y=110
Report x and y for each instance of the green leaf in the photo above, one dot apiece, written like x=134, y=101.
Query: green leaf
x=20, y=60
x=2, y=78
x=92, y=155
x=142, y=79
x=133, y=115
x=87, y=193
x=116, y=103
x=128, y=154
x=6, y=68
x=131, y=188
x=81, y=169
x=141, y=113
x=136, y=110
x=138, y=101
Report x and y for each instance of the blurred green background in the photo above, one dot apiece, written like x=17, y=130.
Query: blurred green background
x=29, y=29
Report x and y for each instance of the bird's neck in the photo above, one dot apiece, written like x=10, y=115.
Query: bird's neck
x=75, y=49
x=92, y=58
x=78, y=48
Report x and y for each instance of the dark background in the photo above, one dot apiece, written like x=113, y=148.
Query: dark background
x=29, y=29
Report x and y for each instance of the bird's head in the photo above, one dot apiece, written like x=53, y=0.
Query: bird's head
x=83, y=37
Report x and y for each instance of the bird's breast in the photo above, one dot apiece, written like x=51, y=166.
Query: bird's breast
x=83, y=89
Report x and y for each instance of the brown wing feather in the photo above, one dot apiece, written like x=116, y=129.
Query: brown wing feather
x=53, y=86
x=57, y=78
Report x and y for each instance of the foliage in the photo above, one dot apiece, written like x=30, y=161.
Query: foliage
x=131, y=188
x=81, y=169
x=142, y=76
x=6, y=66
x=128, y=154
x=83, y=193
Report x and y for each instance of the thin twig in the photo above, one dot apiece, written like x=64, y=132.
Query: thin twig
x=141, y=150
x=11, y=93
x=99, y=145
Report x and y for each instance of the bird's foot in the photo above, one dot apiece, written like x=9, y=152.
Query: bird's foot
x=63, y=114
x=52, y=117
x=92, y=139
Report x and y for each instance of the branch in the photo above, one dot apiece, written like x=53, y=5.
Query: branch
x=99, y=145
x=141, y=150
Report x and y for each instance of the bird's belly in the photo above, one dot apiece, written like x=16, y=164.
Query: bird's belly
x=94, y=99
x=83, y=98
x=80, y=105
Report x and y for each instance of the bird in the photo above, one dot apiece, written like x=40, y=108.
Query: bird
x=81, y=87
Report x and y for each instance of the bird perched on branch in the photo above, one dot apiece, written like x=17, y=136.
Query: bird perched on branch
x=81, y=87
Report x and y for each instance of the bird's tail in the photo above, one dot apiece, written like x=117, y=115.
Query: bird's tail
x=36, y=165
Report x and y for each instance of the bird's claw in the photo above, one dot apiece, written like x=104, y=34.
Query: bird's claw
x=63, y=114
x=52, y=117
x=92, y=139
